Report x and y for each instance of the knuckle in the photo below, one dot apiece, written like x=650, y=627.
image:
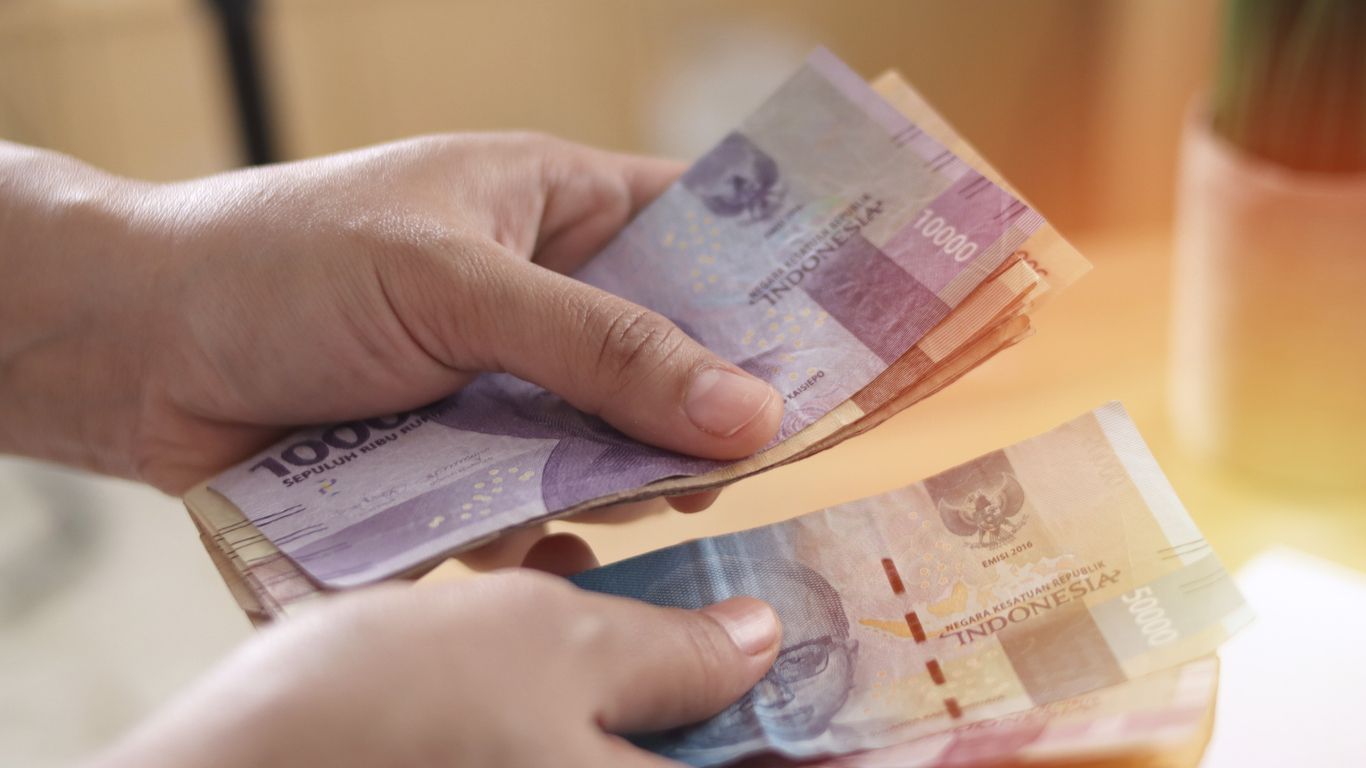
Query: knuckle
x=589, y=176
x=708, y=652
x=540, y=150
x=636, y=343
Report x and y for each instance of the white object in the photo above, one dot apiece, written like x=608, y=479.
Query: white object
x=1293, y=684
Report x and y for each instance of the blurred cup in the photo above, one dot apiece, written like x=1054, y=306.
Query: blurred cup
x=1268, y=376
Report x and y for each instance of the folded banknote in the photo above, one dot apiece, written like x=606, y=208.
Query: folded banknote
x=831, y=245
x=1033, y=574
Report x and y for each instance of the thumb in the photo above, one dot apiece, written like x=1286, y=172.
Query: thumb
x=633, y=367
x=661, y=668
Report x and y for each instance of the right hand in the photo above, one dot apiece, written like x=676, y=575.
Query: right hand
x=215, y=314
x=513, y=670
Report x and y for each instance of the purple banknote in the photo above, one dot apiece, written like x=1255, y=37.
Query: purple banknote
x=813, y=246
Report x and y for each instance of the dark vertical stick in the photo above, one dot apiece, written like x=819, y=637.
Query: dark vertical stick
x=237, y=23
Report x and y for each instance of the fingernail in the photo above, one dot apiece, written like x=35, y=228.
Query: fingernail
x=723, y=402
x=751, y=624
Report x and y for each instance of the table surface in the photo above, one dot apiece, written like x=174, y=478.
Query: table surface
x=1105, y=339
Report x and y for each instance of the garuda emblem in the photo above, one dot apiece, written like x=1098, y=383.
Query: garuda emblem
x=987, y=513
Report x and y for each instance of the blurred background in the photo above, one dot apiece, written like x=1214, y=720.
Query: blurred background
x=107, y=602
x=1080, y=101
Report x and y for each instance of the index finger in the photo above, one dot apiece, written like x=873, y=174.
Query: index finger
x=590, y=195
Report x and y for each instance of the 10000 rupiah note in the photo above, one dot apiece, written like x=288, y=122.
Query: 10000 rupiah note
x=858, y=266
x=1036, y=573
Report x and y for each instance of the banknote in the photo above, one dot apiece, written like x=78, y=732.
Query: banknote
x=1033, y=574
x=1161, y=720
x=1045, y=250
x=267, y=584
x=828, y=245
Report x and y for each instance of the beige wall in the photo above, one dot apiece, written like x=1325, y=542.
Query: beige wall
x=1078, y=101
x=134, y=86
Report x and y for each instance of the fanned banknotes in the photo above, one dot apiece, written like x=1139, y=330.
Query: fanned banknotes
x=1033, y=574
x=843, y=244
x=1049, y=600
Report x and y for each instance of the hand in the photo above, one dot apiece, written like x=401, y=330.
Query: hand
x=508, y=670
x=174, y=329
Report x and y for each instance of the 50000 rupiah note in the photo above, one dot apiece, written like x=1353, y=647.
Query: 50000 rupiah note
x=1057, y=566
x=858, y=259
x=1162, y=720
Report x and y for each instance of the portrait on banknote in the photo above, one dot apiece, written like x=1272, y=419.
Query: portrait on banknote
x=809, y=682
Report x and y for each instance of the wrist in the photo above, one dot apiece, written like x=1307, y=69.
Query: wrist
x=72, y=358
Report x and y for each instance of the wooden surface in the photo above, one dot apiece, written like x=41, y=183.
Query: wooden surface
x=1105, y=339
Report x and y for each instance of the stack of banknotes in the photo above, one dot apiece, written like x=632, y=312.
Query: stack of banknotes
x=1051, y=600
x=842, y=243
